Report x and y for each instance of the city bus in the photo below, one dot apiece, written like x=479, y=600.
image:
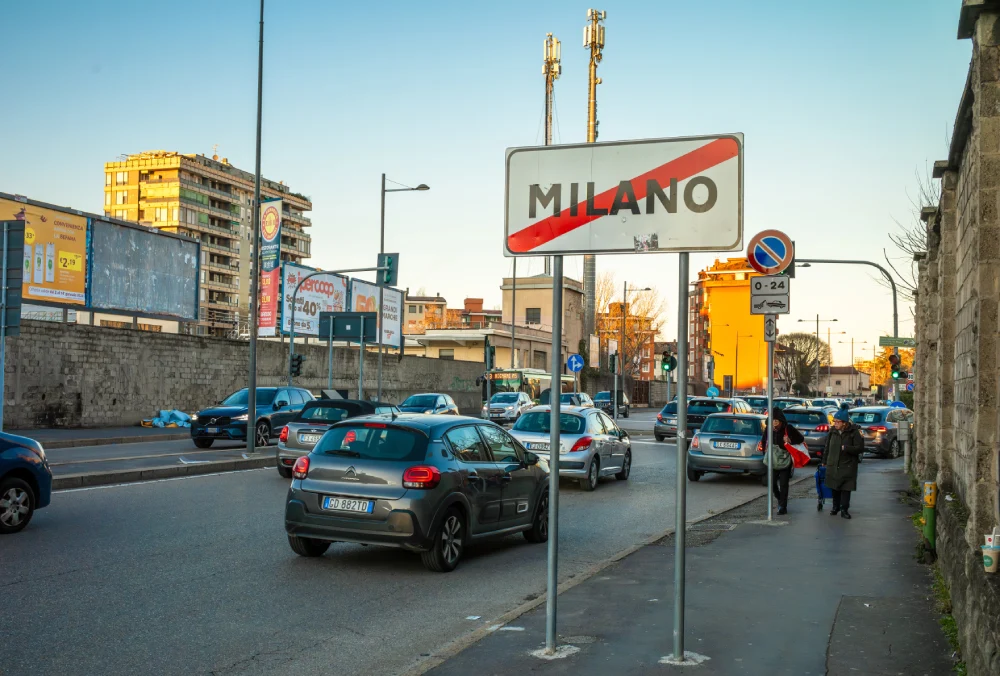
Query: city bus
x=531, y=381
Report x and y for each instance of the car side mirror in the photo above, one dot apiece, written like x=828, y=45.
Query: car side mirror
x=279, y=404
x=530, y=459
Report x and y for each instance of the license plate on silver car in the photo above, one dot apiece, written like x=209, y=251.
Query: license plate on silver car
x=212, y=430
x=349, y=505
x=310, y=438
x=539, y=447
x=733, y=445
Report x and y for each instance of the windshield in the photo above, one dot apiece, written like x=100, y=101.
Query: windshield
x=805, y=417
x=421, y=401
x=265, y=397
x=602, y=396
x=567, y=398
x=726, y=425
x=785, y=403
x=324, y=414
x=757, y=402
x=538, y=421
x=866, y=416
x=373, y=441
x=708, y=406
x=505, y=398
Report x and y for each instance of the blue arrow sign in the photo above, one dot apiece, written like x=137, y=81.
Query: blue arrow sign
x=712, y=392
x=575, y=363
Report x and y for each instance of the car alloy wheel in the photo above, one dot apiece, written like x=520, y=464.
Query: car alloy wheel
x=15, y=505
x=451, y=540
x=626, y=467
x=894, y=449
x=263, y=434
x=593, y=475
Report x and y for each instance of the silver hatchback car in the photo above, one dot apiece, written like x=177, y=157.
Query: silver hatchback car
x=729, y=443
x=591, y=445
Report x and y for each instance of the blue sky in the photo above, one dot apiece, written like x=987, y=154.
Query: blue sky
x=841, y=104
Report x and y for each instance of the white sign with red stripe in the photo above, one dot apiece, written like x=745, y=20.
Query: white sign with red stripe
x=682, y=194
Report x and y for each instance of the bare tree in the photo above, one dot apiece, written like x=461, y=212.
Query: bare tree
x=910, y=237
x=796, y=358
x=643, y=321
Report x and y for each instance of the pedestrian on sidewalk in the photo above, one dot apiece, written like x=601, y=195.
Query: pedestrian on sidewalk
x=781, y=461
x=844, y=447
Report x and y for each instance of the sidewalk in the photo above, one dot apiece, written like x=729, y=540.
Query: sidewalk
x=819, y=595
x=71, y=437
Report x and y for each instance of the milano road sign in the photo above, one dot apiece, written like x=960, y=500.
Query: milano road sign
x=679, y=194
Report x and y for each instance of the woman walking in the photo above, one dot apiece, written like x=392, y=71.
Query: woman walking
x=844, y=447
x=781, y=463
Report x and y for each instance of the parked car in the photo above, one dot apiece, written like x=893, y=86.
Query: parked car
x=581, y=399
x=302, y=433
x=426, y=483
x=757, y=403
x=227, y=421
x=698, y=408
x=602, y=400
x=880, y=428
x=814, y=423
x=432, y=404
x=507, y=407
x=835, y=402
x=25, y=481
x=785, y=402
x=591, y=445
x=729, y=443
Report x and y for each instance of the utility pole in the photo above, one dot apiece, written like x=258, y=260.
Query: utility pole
x=255, y=256
x=593, y=39
x=551, y=69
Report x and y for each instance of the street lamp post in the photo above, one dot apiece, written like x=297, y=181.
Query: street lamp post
x=622, y=348
x=853, y=369
x=381, y=250
x=829, y=364
x=818, y=320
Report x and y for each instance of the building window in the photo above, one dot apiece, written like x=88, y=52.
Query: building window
x=107, y=199
x=446, y=353
x=533, y=315
x=160, y=214
x=122, y=214
x=121, y=178
x=121, y=197
x=539, y=359
x=645, y=367
x=107, y=178
x=176, y=216
x=836, y=382
x=413, y=309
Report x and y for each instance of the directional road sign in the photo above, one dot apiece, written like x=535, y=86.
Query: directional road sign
x=674, y=194
x=770, y=328
x=575, y=363
x=770, y=252
x=890, y=341
x=770, y=295
x=712, y=391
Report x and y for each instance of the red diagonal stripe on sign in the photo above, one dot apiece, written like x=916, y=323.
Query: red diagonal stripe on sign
x=683, y=167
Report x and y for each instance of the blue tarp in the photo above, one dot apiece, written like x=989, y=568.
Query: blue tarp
x=166, y=418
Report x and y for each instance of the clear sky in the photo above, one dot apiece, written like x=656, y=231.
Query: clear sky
x=842, y=103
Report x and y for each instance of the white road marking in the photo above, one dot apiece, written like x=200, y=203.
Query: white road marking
x=690, y=659
x=192, y=462
x=560, y=652
x=511, y=628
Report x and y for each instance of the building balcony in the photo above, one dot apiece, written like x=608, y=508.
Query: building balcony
x=220, y=248
x=218, y=304
x=302, y=220
x=295, y=251
x=226, y=268
x=211, y=192
x=217, y=285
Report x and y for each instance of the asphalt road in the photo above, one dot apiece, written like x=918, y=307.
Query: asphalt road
x=154, y=453
x=194, y=576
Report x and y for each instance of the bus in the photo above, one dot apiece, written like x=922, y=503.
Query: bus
x=531, y=381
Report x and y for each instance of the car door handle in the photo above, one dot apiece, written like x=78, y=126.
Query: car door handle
x=506, y=477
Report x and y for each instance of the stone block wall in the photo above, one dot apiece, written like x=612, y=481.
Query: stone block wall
x=73, y=375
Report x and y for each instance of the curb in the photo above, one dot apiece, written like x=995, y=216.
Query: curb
x=101, y=441
x=454, y=647
x=153, y=473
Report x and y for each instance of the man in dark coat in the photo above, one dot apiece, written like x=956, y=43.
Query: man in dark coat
x=843, y=448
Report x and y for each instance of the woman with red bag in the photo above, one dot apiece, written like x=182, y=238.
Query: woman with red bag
x=782, y=435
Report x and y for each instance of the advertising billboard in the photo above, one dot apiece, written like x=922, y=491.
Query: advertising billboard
x=270, y=269
x=55, y=252
x=139, y=270
x=322, y=293
x=364, y=298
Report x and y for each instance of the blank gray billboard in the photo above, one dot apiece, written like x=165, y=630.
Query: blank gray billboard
x=133, y=269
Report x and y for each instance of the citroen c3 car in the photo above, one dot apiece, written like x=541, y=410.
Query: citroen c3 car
x=426, y=483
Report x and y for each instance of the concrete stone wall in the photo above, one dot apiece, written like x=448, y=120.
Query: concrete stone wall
x=73, y=375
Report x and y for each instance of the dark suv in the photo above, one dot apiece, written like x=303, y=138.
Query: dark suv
x=427, y=483
x=880, y=428
x=276, y=407
x=602, y=400
x=698, y=408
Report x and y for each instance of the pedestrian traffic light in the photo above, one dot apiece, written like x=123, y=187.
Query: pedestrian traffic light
x=669, y=362
x=390, y=261
x=297, y=360
x=613, y=362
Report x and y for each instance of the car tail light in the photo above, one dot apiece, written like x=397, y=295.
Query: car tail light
x=582, y=444
x=760, y=446
x=284, y=434
x=822, y=428
x=695, y=442
x=301, y=468
x=729, y=408
x=350, y=437
x=421, y=476
x=659, y=417
x=878, y=428
x=380, y=426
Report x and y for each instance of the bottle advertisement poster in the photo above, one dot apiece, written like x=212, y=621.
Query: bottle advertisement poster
x=270, y=267
x=55, y=253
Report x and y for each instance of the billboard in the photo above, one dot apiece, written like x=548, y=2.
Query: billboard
x=55, y=252
x=143, y=271
x=364, y=298
x=322, y=293
x=672, y=194
x=270, y=270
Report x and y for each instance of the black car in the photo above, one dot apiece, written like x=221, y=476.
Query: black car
x=602, y=400
x=698, y=408
x=25, y=481
x=430, y=403
x=227, y=421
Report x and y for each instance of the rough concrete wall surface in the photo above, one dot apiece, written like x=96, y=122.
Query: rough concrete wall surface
x=944, y=399
x=72, y=375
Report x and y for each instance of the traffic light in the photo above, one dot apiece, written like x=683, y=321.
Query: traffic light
x=613, y=359
x=388, y=276
x=489, y=354
x=669, y=362
x=898, y=372
x=297, y=360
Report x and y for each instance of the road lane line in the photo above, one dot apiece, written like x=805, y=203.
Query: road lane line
x=139, y=457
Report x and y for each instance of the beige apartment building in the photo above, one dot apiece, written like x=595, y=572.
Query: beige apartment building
x=210, y=200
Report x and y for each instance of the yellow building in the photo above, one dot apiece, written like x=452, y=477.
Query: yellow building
x=723, y=332
x=210, y=200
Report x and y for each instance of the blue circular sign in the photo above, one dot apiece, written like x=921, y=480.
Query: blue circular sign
x=770, y=252
x=909, y=387
x=575, y=363
x=897, y=404
x=713, y=392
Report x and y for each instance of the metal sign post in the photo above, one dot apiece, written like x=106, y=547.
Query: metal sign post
x=361, y=362
x=680, y=526
x=10, y=294
x=552, y=576
x=770, y=333
x=329, y=360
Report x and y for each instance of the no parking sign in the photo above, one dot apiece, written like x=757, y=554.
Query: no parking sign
x=770, y=252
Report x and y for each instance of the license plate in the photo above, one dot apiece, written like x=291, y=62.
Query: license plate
x=349, y=505
x=727, y=444
x=212, y=430
x=539, y=447
x=310, y=438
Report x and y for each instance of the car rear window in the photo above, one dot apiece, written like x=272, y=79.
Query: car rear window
x=726, y=425
x=373, y=441
x=805, y=417
x=538, y=421
x=670, y=409
x=757, y=401
x=866, y=416
x=327, y=413
x=602, y=396
x=785, y=403
x=705, y=407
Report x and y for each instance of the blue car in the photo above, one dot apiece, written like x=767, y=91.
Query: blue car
x=25, y=481
x=227, y=421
